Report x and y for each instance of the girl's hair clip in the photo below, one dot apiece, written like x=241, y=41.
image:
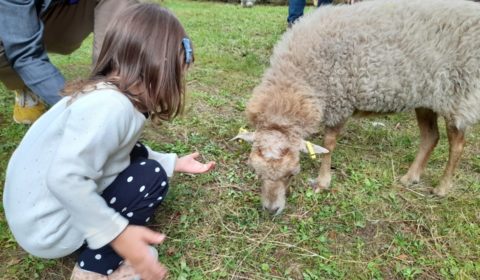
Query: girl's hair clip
x=188, y=50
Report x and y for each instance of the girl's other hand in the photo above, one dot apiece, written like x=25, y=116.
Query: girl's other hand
x=133, y=245
x=189, y=164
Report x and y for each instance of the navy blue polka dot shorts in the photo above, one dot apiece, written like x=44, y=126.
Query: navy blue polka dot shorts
x=135, y=194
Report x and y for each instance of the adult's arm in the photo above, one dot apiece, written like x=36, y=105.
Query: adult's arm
x=21, y=34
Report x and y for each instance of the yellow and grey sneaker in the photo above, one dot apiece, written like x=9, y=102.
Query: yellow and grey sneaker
x=28, y=107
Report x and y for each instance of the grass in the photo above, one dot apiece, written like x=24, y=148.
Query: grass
x=366, y=227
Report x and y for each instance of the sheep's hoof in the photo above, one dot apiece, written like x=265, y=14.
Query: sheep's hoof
x=316, y=186
x=408, y=181
x=441, y=192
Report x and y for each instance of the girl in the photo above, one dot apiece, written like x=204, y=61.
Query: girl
x=80, y=176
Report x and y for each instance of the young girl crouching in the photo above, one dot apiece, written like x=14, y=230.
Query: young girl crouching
x=81, y=176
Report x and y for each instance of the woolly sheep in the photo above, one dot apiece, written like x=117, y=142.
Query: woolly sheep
x=375, y=57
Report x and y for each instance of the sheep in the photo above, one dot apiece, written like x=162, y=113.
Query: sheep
x=247, y=3
x=374, y=57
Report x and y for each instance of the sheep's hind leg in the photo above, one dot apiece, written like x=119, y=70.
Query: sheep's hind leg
x=324, y=178
x=456, y=139
x=427, y=123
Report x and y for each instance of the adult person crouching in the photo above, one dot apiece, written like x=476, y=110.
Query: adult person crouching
x=30, y=29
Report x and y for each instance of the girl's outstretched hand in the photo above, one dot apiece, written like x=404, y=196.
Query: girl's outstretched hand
x=133, y=245
x=189, y=164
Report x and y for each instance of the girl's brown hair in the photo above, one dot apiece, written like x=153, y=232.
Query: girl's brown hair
x=143, y=56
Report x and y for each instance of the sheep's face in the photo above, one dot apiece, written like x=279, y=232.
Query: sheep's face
x=275, y=158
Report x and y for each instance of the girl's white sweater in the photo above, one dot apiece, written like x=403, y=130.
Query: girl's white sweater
x=64, y=162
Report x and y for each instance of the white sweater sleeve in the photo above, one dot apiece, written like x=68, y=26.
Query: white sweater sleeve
x=95, y=129
x=167, y=161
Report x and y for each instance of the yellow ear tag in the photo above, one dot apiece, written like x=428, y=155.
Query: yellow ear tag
x=241, y=130
x=310, y=150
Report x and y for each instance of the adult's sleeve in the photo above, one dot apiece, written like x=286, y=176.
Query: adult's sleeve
x=21, y=33
x=88, y=141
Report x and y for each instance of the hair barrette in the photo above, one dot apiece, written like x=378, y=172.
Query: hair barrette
x=188, y=50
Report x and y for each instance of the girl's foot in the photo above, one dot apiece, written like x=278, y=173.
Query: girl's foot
x=80, y=274
x=123, y=272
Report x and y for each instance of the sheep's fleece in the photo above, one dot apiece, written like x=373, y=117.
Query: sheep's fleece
x=380, y=56
x=383, y=56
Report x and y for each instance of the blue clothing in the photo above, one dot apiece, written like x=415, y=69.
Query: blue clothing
x=296, y=7
x=21, y=34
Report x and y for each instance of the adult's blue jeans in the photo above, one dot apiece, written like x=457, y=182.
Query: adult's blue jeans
x=296, y=7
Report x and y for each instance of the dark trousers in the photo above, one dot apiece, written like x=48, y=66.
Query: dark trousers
x=135, y=194
x=296, y=7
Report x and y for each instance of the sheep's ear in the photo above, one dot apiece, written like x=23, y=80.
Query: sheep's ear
x=247, y=136
x=312, y=149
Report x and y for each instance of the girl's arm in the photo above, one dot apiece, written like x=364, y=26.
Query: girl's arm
x=167, y=161
x=185, y=164
x=133, y=245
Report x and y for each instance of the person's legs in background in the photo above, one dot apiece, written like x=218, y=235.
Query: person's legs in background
x=295, y=10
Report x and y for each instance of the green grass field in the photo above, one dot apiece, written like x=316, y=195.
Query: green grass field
x=366, y=227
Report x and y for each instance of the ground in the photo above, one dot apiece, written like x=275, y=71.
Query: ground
x=366, y=227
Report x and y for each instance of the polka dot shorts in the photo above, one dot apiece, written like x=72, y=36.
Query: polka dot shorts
x=135, y=194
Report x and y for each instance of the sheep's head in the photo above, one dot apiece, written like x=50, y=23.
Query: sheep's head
x=275, y=157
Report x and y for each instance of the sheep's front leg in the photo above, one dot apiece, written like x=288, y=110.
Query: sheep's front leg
x=324, y=178
x=456, y=139
x=427, y=123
